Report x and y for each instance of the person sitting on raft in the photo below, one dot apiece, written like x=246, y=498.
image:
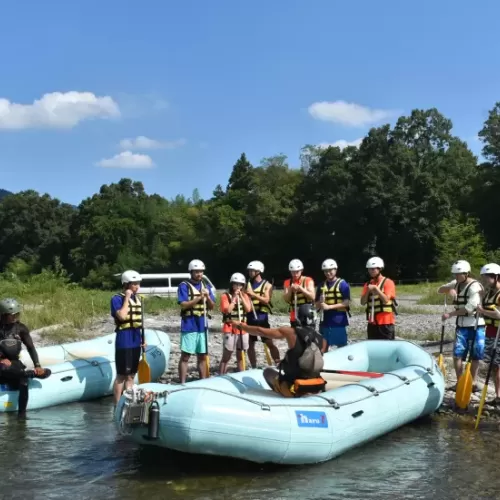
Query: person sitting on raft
x=299, y=371
x=13, y=334
x=235, y=304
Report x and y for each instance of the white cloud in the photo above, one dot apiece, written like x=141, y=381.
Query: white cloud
x=342, y=143
x=127, y=159
x=56, y=110
x=142, y=142
x=347, y=113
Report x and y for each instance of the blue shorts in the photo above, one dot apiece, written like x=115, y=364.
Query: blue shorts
x=463, y=339
x=193, y=342
x=334, y=335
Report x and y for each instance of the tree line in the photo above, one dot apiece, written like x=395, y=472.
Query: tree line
x=414, y=194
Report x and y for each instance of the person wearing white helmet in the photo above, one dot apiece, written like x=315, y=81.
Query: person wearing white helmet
x=299, y=290
x=333, y=297
x=379, y=296
x=466, y=293
x=195, y=299
x=260, y=292
x=490, y=276
x=235, y=305
x=126, y=310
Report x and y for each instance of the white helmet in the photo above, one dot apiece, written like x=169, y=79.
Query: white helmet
x=131, y=277
x=490, y=269
x=237, y=278
x=196, y=265
x=374, y=262
x=295, y=265
x=460, y=266
x=328, y=264
x=256, y=265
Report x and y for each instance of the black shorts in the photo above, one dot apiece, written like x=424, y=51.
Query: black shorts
x=127, y=360
x=381, y=332
x=264, y=323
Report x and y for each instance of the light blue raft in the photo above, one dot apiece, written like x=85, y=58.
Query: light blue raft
x=82, y=371
x=239, y=416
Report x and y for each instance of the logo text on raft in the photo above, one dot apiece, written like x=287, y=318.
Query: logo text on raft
x=311, y=419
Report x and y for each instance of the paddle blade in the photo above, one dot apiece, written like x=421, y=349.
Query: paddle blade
x=144, y=371
x=441, y=365
x=464, y=389
x=481, y=404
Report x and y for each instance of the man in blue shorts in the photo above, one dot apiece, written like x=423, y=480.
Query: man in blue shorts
x=126, y=309
x=332, y=299
x=466, y=294
x=195, y=300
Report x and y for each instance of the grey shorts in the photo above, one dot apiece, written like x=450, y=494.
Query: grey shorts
x=237, y=341
x=488, y=349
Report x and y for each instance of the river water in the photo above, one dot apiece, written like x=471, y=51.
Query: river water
x=74, y=452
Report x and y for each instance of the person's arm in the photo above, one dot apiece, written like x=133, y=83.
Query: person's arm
x=317, y=299
x=388, y=293
x=472, y=303
x=448, y=287
x=364, y=294
x=247, y=305
x=270, y=333
x=209, y=294
x=121, y=305
x=183, y=297
x=287, y=294
x=28, y=342
x=226, y=305
x=265, y=298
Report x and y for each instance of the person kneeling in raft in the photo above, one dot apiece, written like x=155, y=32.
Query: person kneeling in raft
x=300, y=370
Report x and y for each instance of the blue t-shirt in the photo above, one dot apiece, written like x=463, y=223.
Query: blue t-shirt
x=334, y=317
x=192, y=323
x=129, y=337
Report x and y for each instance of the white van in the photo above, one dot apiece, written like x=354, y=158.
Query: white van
x=166, y=284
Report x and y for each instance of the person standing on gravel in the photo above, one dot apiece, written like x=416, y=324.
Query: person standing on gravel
x=260, y=292
x=299, y=291
x=126, y=310
x=466, y=294
x=195, y=300
x=379, y=296
x=490, y=275
x=332, y=299
x=235, y=305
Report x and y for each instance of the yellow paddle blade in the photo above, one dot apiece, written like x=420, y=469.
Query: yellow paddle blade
x=464, y=389
x=208, y=366
x=144, y=371
x=441, y=365
x=481, y=404
x=268, y=355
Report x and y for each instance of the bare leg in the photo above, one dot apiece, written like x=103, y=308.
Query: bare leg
x=118, y=387
x=183, y=366
x=251, y=354
x=226, y=356
x=202, y=365
x=474, y=368
x=458, y=366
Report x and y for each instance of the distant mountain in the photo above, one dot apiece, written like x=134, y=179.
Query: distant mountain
x=4, y=193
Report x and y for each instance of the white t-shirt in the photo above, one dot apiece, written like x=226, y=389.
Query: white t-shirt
x=474, y=299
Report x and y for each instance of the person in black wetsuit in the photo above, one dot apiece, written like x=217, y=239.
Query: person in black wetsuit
x=13, y=334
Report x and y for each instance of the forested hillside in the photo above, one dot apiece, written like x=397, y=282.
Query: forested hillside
x=414, y=194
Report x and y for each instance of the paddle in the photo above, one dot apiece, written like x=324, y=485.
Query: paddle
x=441, y=364
x=464, y=385
x=373, y=308
x=266, y=349
x=243, y=355
x=206, y=336
x=143, y=370
x=358, y=374
x=485, y=388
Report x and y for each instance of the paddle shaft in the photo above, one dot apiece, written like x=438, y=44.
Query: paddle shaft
x=142, y=326
x=356, y=373
x=243, y=360
x=442, y=329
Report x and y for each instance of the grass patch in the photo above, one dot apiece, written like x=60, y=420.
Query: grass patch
x=60, y=335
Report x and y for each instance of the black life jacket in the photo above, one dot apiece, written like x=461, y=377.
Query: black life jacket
x=10, y=341
x=290, y=367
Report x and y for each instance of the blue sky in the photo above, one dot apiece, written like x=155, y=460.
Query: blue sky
x=200, y=82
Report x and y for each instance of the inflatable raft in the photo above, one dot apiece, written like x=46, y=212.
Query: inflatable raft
x=82, y=371
x=238, y=415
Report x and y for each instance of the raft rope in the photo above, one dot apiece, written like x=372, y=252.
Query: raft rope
x=147, y=396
